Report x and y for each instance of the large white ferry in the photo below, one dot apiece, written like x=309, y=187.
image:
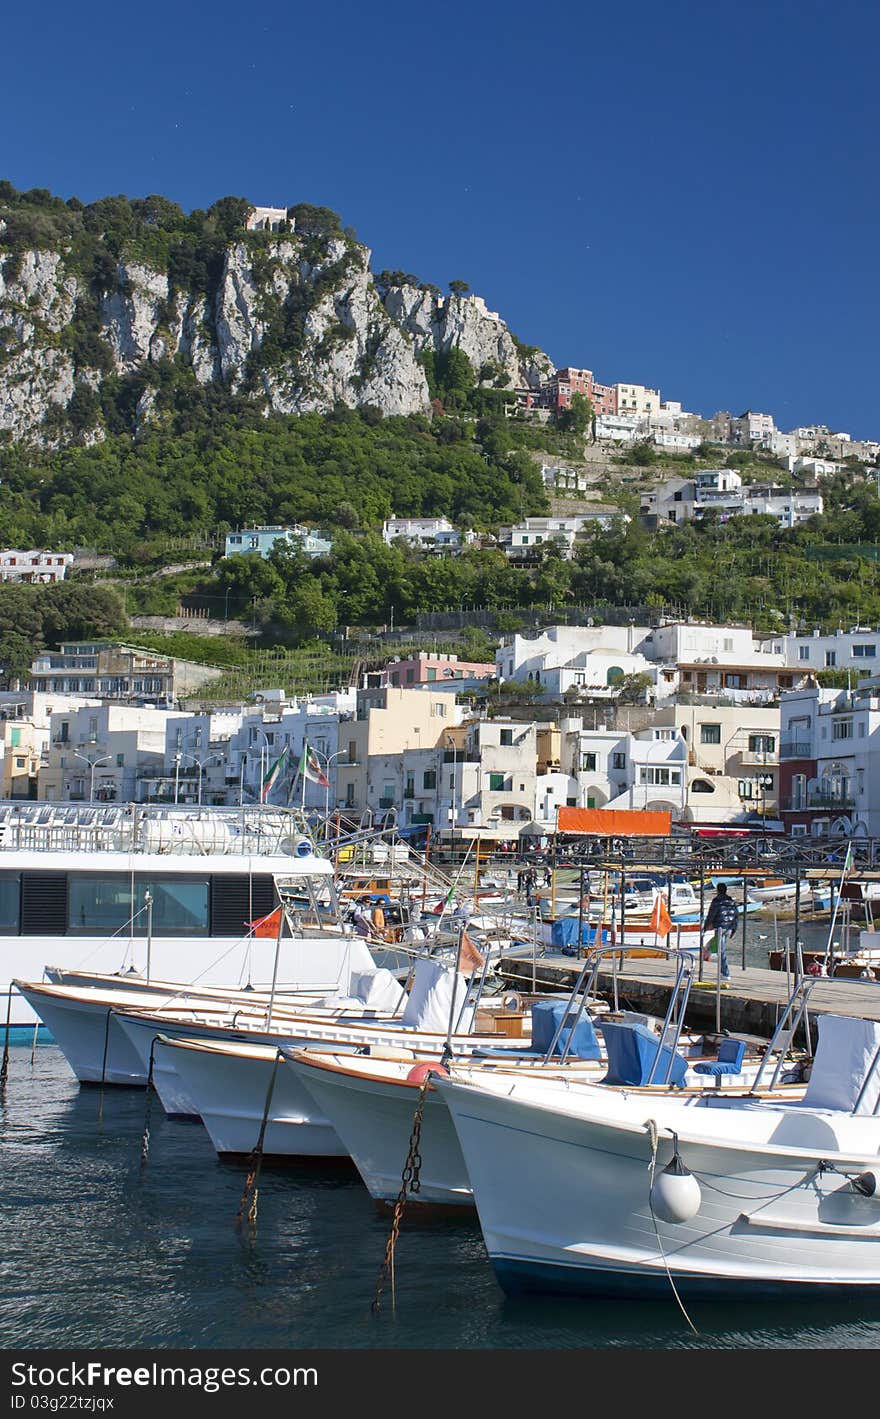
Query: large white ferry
x=164, y=892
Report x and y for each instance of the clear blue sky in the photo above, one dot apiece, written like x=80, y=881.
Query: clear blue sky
x=682, y=195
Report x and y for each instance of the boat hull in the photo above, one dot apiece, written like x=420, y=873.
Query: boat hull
x=564, y=1203
x=231, y=1093
x=374, y=1119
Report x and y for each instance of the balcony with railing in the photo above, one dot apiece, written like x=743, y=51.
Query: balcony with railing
x=838, y=801
x=795, y=749
x=815, y=799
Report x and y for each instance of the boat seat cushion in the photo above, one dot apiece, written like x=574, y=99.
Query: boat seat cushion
x=632, y=1050
x=731, y=1054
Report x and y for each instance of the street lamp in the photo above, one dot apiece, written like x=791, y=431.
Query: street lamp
x=451, y=741
x=201, y=766
x=254, y=730
x=328, y=760
x=93, y=764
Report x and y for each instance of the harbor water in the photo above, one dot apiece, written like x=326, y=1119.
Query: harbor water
x=100, y=1251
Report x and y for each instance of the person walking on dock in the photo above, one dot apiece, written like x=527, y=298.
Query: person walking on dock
x=723, y=915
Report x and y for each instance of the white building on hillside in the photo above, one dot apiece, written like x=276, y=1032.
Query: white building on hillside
x=857, y=649
x=520, y=541
x=34, y=566
x=267, y=219
x=98, y=752
x=558, y=646
x=431, y=534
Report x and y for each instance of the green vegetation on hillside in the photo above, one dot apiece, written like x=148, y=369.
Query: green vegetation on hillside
x=35, y=618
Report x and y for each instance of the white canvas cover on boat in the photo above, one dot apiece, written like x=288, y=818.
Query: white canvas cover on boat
x=431, y=998
x=359, y=959
x=376, y=989
x=844, y=1054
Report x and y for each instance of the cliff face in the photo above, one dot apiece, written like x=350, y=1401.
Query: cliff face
x=294, y=321
x=440, y=324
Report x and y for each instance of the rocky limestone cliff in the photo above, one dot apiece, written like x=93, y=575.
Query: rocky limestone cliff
x=442, y=323
x=295, y=321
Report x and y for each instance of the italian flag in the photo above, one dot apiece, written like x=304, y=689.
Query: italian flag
x=310, y=767
x=273, y=774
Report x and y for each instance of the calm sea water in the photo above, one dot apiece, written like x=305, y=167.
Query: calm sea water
x=95, y=1252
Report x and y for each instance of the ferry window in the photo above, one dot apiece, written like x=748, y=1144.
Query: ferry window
x=9, y=901
x=98, y=903
x=180, y=906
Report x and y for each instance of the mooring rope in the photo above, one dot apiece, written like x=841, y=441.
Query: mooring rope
x=653, y=1132
x=410, y=1182
x=251, y=1190
x=145, y=1140
x=4, y=1067
x=104, y=1065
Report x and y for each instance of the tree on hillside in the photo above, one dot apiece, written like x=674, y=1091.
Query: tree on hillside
x=633, y=689
x=459, y=288
x=576, y=419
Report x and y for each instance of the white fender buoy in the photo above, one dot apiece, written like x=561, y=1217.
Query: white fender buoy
x=675, y=1192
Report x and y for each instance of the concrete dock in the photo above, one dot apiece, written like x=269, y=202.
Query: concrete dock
x=751, y=1002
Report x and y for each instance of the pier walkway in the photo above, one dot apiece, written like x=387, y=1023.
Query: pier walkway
x=751, y=1001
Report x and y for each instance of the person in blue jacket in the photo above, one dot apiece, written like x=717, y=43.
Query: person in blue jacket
x=723, y=916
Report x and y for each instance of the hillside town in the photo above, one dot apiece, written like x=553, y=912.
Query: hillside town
x=708, y=722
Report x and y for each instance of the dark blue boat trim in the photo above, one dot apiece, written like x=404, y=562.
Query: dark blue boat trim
x=528, y=1278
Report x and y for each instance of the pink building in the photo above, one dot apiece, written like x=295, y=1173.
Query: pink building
x=568, y=381
x=431, y=669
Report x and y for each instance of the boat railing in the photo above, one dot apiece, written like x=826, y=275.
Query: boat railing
x=869, y=1075
x=787, y=1027
x=670, y=1034
x=146, y=828
x=585, y=987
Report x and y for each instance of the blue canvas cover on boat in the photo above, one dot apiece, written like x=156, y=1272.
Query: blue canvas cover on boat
x=546, y=1015
x=564, y=935
x=632, y=1050
x=564, y=932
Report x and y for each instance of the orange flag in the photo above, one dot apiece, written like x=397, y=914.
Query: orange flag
x=266, y=925
x=661, y=921
x=469, y=958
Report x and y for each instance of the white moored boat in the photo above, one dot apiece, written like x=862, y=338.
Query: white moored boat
x=371, y=1101
x=224, y=1078
x=588, y=1190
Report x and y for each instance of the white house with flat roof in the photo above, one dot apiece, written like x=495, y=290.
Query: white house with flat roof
x=34, y=566
x=522, y=539
x=266, y=219
x=857, y=649
x=431, y=534
x=262, y=539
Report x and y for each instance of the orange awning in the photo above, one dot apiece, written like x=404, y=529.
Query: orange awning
x=615, y=822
